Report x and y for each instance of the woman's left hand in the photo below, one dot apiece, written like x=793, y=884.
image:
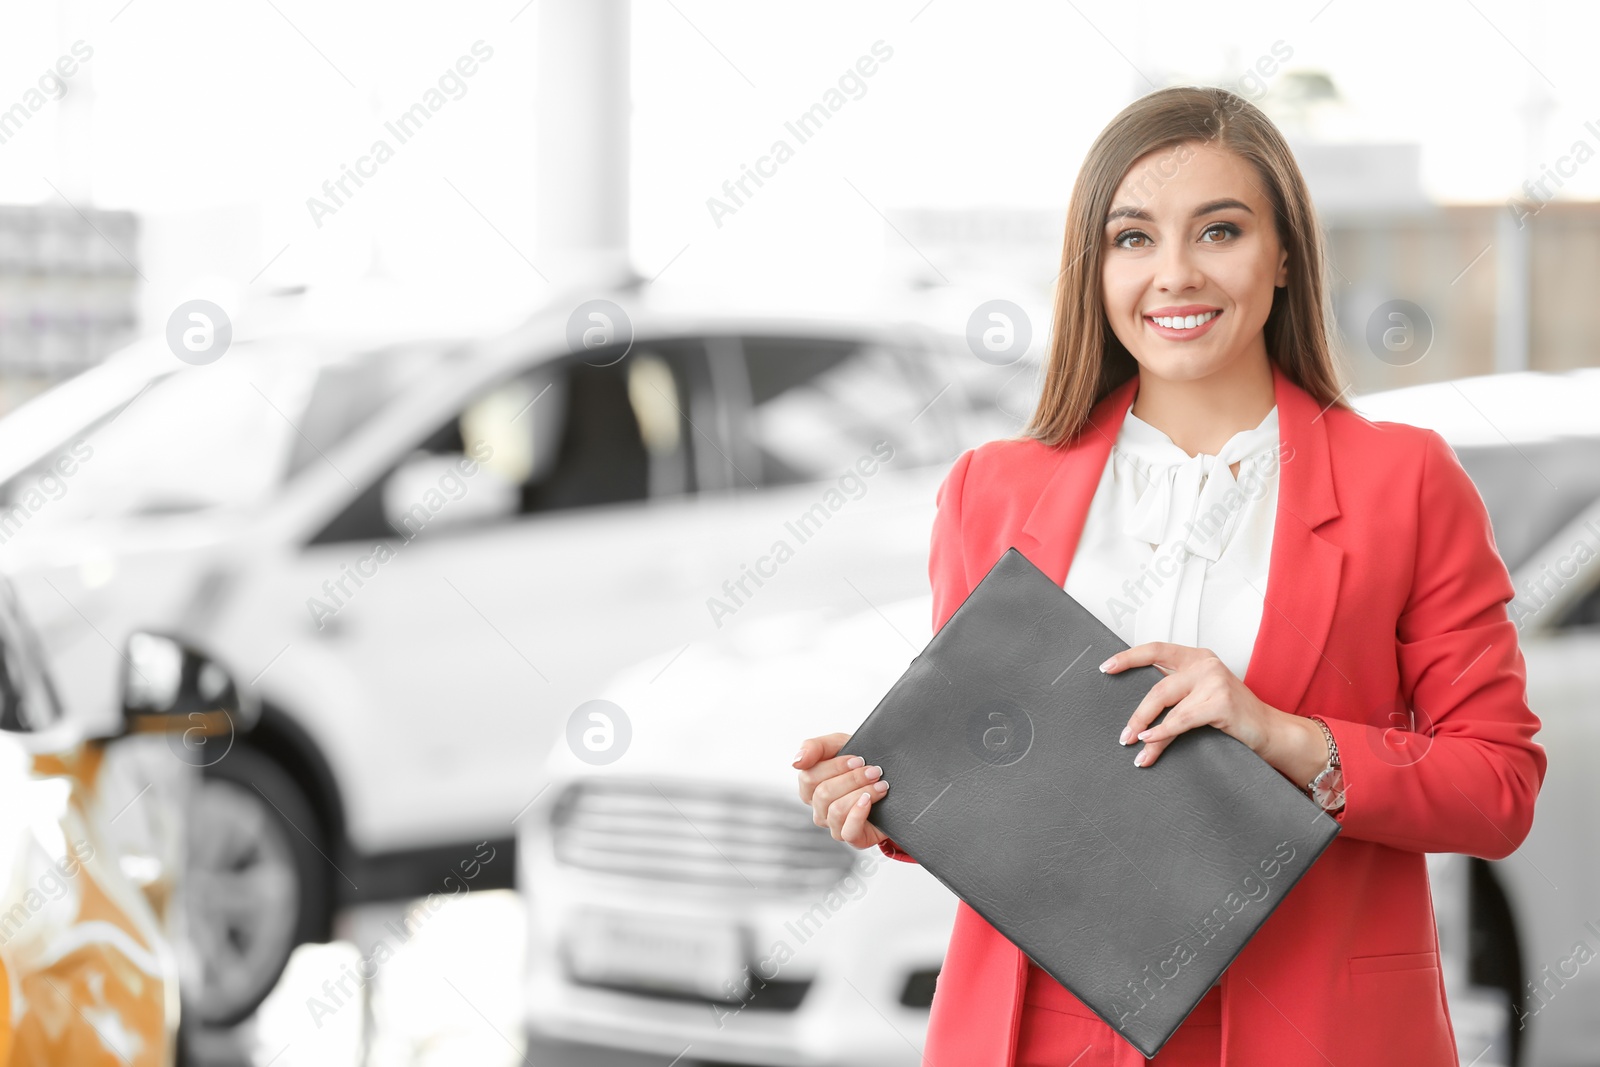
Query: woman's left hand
x=1200, y=689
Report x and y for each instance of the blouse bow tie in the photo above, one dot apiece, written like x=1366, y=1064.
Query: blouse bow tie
x=1185, y=500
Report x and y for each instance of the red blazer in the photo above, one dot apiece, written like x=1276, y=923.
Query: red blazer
x=1385, y=593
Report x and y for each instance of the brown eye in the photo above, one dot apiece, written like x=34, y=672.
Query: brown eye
x=1128, y=235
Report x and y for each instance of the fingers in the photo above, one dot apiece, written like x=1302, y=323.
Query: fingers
x=819, y=759
x=1164, y=655
x=847, y=818
x=1150, y=752
x=1156, y=738
x=856, y=831
x=815, y=748
x=1146, y=654
x=856, y=778
x=1164, y=694
x=840, y=788
x=1192, y=677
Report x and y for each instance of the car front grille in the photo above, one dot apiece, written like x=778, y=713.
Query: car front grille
x=706, y=836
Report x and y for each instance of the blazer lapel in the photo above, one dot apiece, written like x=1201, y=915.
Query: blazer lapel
x=1303, y=575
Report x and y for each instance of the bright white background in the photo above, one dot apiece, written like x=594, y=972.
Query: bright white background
x=217, y=121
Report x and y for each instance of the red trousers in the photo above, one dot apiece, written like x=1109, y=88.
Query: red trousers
x=1051, y=1017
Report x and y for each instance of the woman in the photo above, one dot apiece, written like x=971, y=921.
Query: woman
x=1323, y=588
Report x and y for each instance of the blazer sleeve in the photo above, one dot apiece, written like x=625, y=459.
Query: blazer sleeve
x=946, y=572
x=1465, y=777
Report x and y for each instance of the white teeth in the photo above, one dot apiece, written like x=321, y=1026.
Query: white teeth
x=1185, y=322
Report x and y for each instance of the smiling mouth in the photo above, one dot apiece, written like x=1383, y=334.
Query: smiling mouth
x=1181, y=322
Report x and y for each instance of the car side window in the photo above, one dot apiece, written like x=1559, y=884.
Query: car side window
x=817, y=405
x=1585, y=614
x=28, y=704
x=610, y=427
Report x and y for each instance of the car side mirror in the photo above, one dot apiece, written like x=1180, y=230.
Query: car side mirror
x=434, y=491
x=169, y=686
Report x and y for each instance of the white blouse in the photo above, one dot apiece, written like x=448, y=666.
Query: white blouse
x=1175, y=547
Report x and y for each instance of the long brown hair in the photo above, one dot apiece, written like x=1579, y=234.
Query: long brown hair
x=1086, y=360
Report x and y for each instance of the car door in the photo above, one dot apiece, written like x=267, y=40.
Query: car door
x=472, y=597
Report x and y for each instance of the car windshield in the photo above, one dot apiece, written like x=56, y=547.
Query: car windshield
x=28, y=702
x=224, y=436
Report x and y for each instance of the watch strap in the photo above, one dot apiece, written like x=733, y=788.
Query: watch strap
x=1331, y=771
x=1333, y=746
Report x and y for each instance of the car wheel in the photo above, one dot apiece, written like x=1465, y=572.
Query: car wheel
x=256, y=883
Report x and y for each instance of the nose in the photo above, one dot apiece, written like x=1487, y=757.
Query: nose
x=1176, y=269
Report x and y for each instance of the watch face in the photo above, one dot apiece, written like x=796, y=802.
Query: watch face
x=1327, y=788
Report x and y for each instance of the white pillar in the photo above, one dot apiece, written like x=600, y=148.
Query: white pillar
x=583, y=115
x=1512, y=319
x=1513, y=241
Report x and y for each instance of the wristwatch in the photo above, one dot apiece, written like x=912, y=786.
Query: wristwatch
x=1327, y=788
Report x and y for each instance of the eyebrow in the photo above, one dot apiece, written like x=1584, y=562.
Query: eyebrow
x=1203, y=209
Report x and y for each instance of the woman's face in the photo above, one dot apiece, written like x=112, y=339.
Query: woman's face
x=1190, y=234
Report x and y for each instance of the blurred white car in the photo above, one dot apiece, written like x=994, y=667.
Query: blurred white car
x=659, y=883
x=425, y=553
x=680, y=898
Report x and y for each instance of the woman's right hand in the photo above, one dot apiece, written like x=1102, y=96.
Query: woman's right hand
x=840, y=790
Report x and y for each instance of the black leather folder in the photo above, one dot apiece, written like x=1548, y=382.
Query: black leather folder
x=1134, y=887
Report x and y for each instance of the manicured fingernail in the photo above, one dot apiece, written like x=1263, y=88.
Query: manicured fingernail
x=1107, y=664
x=855, y=761
x=1124, y=738
x=801, y=751
x=874, y=771
x=1138, y=761
x=863, y=800
x=1145, y=734
x=880, y=785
